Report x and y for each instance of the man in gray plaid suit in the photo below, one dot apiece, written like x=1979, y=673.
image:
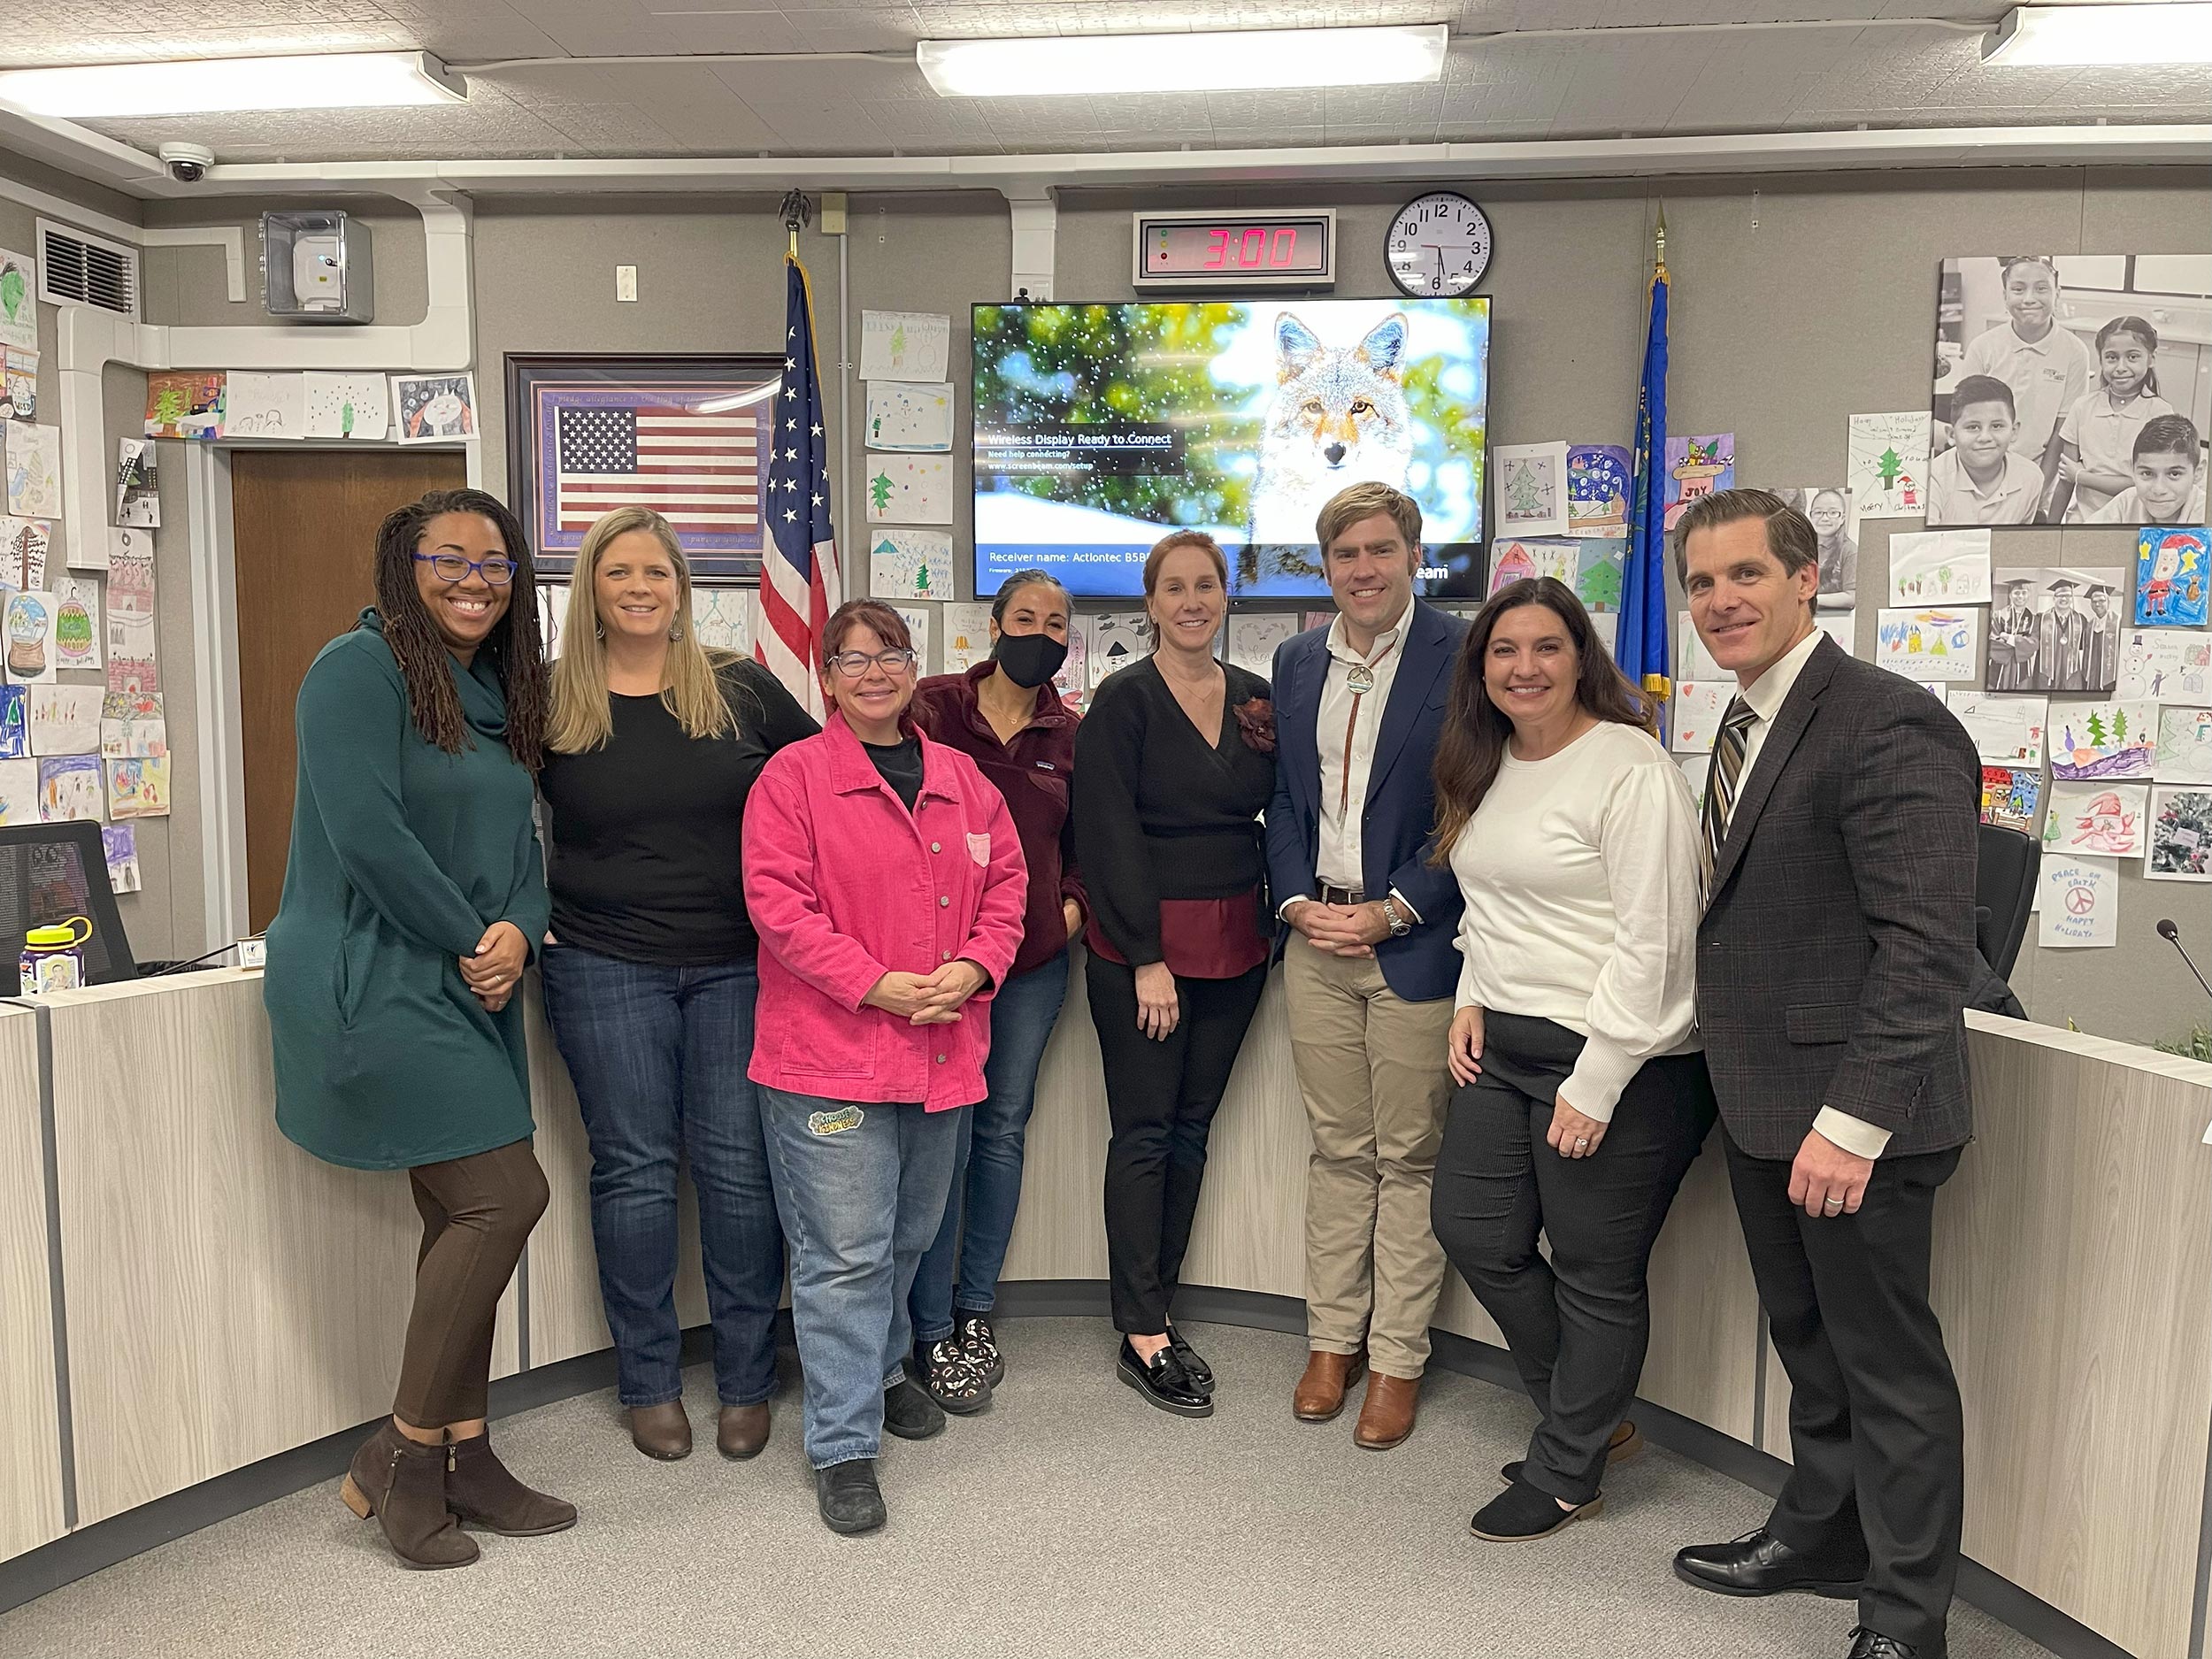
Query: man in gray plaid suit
x=1833, y=961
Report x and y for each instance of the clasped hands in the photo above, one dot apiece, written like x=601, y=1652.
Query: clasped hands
x=927, y=999
x=495, y=968
x=1342, y=930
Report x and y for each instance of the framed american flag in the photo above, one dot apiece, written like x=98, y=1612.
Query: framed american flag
x=688, y=436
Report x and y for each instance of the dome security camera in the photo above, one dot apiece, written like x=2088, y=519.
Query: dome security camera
x=187, y=164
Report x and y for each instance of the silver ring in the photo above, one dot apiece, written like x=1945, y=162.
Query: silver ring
x=1582, y=1140
x=1835, y=1203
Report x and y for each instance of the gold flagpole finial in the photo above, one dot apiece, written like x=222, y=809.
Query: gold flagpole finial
x=1659, y=241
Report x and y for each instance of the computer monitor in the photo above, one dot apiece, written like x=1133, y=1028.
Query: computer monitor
x=50, y=873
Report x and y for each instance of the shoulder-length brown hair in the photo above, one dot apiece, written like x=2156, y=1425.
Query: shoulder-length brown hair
x=1472, y=742
x=514, y=647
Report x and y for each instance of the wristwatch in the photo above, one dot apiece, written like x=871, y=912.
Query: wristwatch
x=1394, y=913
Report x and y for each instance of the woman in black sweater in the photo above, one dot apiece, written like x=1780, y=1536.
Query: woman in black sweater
x=1174, y=762
x=649, y=980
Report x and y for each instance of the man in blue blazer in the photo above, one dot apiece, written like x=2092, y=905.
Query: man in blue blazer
x=1369, y=963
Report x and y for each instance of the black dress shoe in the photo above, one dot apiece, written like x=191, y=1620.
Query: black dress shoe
x=910, y=1414
x=1194, y=1362
x=1165, y=1382
x=1759, y=1564
x=848, y=1497
x=1871, y=1644
x=1521, y=1513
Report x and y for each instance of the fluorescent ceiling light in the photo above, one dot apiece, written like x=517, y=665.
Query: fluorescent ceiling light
x=2082, y=34
x=209, y=86
x=1228, y=60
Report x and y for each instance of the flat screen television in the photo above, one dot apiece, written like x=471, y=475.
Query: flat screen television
x=1100, y=428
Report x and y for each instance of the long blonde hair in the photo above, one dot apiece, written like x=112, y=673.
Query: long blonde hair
x=582, y=718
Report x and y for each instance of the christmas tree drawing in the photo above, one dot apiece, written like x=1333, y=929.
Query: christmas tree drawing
x=1525, y=493
x=898, y=346
x=169, y=406
x=880, y=491
x=2119, y=727
x=2098, y=736
x=1891, y=466
x=921, y=579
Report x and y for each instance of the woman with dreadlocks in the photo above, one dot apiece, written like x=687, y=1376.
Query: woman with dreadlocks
x=414, y=898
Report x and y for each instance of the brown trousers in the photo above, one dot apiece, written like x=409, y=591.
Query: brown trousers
x=476, y=1212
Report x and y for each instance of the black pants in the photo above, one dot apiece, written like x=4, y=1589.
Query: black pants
x=1876, y=1427
x=1578, y=1324
x=1162, y=1097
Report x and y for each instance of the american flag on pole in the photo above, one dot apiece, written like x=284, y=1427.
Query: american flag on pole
x=799, y=585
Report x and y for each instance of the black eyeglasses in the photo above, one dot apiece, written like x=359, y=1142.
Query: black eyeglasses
x=451, y=567
x=853, y=665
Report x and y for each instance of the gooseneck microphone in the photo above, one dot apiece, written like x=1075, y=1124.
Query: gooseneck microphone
x=2171, y=934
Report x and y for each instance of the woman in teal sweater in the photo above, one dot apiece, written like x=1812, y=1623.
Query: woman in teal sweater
x=414, y=898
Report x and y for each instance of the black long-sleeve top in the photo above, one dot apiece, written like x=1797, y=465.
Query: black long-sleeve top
x=1162, y=814
x=646, y=830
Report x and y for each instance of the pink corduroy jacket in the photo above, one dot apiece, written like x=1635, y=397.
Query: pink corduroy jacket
x=845, y=885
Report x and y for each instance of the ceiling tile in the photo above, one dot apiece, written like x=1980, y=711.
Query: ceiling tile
x=846, y=29
x=732, y=32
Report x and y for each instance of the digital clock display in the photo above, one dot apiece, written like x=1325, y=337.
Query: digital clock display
x=1186, y=248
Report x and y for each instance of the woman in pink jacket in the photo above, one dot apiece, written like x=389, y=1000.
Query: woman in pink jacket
x=886, y=880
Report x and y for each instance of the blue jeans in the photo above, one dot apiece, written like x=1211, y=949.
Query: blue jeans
x=861, y=1187
x=989, y=1155
x=658, y=1057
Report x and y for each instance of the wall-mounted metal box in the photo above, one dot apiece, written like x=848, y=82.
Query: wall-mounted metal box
x=316, y=268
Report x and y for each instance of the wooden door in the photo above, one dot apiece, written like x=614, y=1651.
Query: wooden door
x=304, y=524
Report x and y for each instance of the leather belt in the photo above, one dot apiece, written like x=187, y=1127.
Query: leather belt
x=1340, y=895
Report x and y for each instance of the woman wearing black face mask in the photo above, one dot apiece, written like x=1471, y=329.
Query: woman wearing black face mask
x=1006, y=715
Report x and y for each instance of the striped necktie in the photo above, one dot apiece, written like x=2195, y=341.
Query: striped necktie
x=1721, y=785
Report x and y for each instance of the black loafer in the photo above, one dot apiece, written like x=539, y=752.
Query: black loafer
x=1523, y=1513
x=910, y=1413
x=848, y=1497
x=1759, y=1564
x=1164, y=1382
x=1202, y=1374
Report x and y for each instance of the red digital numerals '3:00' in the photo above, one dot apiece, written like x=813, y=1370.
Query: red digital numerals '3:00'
x=1250, y=247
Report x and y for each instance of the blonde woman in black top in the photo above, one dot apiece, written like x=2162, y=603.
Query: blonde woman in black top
x=1174, y=762
x=649, y=980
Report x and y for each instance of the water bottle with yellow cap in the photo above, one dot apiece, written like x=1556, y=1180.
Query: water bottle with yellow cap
x=53, y=956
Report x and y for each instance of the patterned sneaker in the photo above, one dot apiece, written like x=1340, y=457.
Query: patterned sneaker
x=946, y=1376
x=979, y=1343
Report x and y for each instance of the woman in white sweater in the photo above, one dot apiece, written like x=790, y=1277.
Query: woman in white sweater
x=1582, y=1098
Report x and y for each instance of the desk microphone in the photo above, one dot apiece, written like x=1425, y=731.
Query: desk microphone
x=2168, y=932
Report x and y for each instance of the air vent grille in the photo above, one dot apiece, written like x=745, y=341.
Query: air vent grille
x=75, y=269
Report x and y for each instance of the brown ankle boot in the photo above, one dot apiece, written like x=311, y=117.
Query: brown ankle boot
x=484, y=1494
x=402, y=1483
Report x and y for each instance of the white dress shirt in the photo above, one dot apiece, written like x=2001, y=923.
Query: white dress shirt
x=1765, y=695
x=1345, y=732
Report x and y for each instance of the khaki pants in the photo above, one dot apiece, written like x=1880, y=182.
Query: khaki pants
x=1371, y=1066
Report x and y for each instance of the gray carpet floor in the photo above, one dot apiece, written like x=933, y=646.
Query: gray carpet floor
x=1069, y=1519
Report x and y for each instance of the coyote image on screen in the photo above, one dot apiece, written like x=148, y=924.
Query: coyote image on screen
x=1338, y=418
